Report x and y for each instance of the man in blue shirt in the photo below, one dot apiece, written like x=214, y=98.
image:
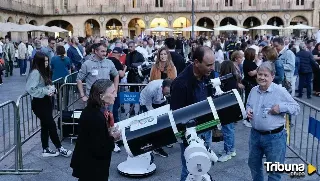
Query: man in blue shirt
x=190, y=87
x=267, y=104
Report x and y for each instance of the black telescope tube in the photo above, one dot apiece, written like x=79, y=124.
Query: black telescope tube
x=226, y=110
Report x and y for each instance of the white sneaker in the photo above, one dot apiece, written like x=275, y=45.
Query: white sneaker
x=48, y=152
x=247, y=123
x=224, y=158
x=233, y=154
x=222, y=152
x=64, y=152
x=116, y=148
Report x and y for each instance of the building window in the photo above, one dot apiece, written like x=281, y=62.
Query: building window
x=136, y=3
x=252, y=2
x=159, y=3
x=300, y=2
x=182, y=3
x=275, y=2
x=65, y=4
x=205, y=3
x=228, y=2
x=90, y=2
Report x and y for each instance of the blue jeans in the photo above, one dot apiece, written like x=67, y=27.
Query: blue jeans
x=207, y=137
x=23, y=66
x=228, y=137
x=116, y=106
x=271, y=145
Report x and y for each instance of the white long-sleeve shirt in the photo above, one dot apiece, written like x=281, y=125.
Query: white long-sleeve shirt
x=219, y=56
x=22, y=51
x=152, y=94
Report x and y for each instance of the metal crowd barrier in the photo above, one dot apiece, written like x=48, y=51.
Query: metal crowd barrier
x=21, y=116
x=71, y=78
x=70, y=100
x=11, y=129
x=304, y=137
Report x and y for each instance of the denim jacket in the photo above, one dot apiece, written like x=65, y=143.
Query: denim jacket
x=288, y=59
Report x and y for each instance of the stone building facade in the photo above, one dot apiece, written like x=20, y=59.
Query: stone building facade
x=131, y=17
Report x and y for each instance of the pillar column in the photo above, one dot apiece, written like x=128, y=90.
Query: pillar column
x=125, y=29
x=170, y=23
x=103, y=29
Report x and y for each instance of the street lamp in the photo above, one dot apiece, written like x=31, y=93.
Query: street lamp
x=205, y=24
x=192, y=19
x=274, y=23
x=251, y=23
x=91, y=25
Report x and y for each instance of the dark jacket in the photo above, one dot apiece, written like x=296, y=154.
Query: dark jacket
x=178, y=61
x=92, y=154
x=74, y=56
x=133, y=60
x=183, y=88
x=306, y=62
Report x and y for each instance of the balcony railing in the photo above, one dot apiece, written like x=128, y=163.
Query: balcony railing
x=16, y=6
x=125, y=6
x=146, y=6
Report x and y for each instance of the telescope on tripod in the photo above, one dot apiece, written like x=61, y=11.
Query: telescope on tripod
x=160, y=127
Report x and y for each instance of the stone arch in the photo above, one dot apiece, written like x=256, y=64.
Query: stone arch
x=136, y=26
x=10, y=19
x=228, y=20
x=21, y=21
x=299, y=19
x=159, y=22
x=251, y=20
x=114, y=28
x=62, y=24
x=92, y=27
x=206, y=22
x=181, y=22
x=275, y=21
x=33, y=22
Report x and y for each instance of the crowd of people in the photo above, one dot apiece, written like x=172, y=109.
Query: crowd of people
x=268, y=71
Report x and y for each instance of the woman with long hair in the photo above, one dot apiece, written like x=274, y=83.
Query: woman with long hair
x=97, y=134
x=316, y=78
x=271, y=55
x=164, y=67
x=39, y=86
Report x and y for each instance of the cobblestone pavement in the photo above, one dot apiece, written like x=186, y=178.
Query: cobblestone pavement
x=168, y=169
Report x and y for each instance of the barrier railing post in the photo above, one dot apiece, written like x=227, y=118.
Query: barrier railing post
x=18, y=159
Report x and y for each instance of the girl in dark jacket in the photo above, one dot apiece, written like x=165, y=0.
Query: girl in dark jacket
x=228, y=130
x=92, y=153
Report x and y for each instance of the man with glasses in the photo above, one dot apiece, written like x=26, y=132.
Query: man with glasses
x=50, y=49
x=153, y=96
